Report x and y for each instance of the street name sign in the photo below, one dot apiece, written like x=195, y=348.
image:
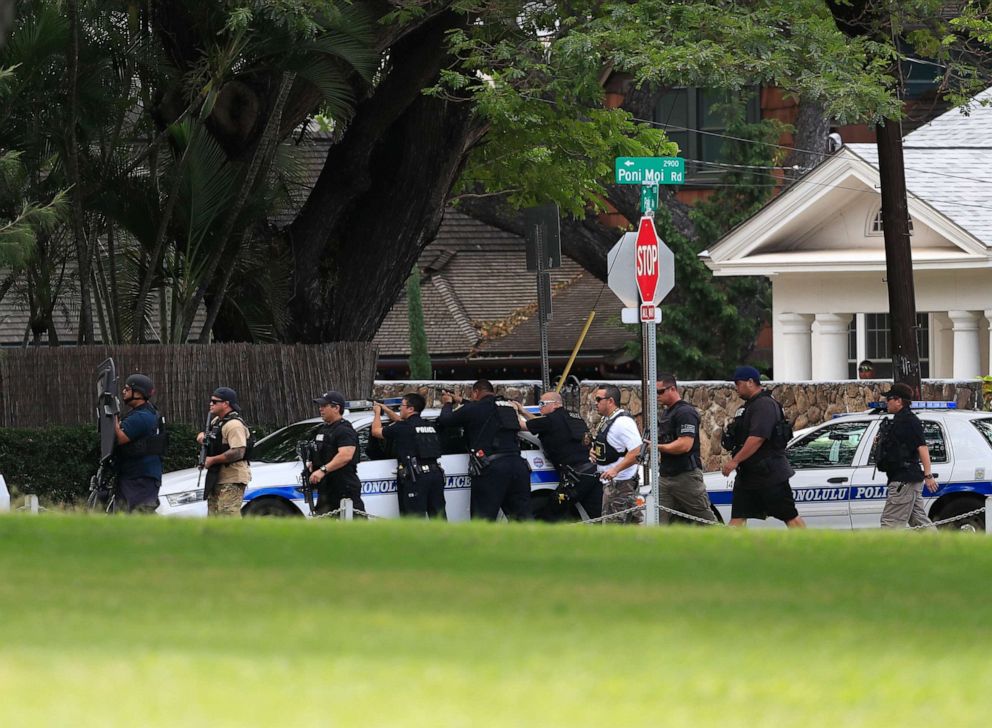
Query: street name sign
x=650, y=170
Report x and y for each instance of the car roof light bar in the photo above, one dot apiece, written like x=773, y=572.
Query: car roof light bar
x=919, y=404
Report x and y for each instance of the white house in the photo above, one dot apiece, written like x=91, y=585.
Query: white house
x=820, y=242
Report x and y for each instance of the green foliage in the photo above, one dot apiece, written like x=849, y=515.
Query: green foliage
x=56, y=463
x=420, y=358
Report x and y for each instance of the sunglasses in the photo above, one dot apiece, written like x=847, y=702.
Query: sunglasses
x=544, y=402
x=600, y=399
x=216, y=401
x=662, y=390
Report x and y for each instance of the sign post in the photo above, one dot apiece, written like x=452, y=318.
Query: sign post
x=653, y=266
x=543, y=235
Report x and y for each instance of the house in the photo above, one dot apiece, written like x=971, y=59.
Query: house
x=821, y=244
x=480, y=312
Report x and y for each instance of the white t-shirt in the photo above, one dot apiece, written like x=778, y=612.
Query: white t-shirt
x=622, y=435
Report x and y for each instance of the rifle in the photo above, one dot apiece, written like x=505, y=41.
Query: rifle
x=201, y=459
x=108, y=408
x=304, y=450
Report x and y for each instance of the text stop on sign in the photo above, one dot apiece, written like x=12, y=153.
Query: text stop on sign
x=646, y=260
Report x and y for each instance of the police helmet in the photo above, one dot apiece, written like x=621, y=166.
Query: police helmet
x=141, y=383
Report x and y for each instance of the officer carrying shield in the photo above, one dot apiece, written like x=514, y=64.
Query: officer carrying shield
x=565, y=440
x=141, y=444
x=500, y=477
x=334, y=467
x=414, y=441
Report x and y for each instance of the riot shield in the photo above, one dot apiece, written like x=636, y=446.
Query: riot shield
x=107, y=409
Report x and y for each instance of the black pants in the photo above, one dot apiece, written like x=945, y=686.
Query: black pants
x=422, y=498
x=505, y=483
x=587, y=488
x=329, y=495
x=137, y=495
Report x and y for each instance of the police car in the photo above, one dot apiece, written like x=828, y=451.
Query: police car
x=837, y=485
x=275, y=488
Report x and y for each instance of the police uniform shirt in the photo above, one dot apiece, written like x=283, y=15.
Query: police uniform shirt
x=556, y=438
x=623, y=435
x=234, y=433
x=477, y=417
x=680, y=420
x=402, y=436
x=330, y=438
x=140, y=422
x=906, y=432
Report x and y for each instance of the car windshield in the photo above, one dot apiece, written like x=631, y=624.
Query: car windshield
x=280, y=446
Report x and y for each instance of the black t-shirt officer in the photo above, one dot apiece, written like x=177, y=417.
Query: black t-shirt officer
x=565, y=440
x=762, y=486
x=679, y=420
x=416, y=446
x=334, y=470
x=500, y=477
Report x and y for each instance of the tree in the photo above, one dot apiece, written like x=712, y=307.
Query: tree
x=420, y=358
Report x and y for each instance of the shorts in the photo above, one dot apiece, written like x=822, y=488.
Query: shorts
x=763, y=501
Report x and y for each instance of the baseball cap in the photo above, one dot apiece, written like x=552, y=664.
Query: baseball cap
x=228, y=395
x=903, y=391
x=743, y=373
x=331, y=397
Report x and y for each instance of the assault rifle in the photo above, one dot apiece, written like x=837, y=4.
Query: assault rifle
x=201, y=459
x=305, y=450
x=108, y=408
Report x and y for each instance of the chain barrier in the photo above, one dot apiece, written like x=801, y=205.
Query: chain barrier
x=612, y=516
x=354, y=511
x=329, y=514
x=690, y=517
x=952, y=519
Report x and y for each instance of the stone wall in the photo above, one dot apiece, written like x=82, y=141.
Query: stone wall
x=805, y=403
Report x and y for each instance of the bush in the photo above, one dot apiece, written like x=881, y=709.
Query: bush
x=56, y=463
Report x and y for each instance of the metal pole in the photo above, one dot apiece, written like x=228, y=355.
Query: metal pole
x=652, y=419
x=347, y=509
x=542, y=325
x=575, y=351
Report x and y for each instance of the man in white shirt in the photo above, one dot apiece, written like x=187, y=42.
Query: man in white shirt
x=614, y=450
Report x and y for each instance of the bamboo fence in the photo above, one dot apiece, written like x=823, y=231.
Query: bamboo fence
x=275, y=382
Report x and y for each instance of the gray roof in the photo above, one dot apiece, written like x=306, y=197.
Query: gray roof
x=479, y=299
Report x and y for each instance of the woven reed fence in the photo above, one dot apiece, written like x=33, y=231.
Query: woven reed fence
x=275, y=382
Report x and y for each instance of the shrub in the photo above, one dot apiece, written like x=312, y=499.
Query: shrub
x=56, y=463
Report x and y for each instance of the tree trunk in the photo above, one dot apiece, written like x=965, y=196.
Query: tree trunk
x=898, y=256
x=380, y=196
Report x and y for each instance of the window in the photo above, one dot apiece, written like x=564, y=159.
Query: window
x=984, y=427
x=280, y=446
x=833, y=446
x=868, y=337
x=690, y=119
x=876, y=227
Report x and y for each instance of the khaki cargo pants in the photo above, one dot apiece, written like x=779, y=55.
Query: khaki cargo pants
x=685, y=492
x=904, y=505
x=226, y=499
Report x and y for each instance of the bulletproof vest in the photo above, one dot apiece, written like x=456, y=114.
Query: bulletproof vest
x=889, y=454
x=737, y=431
x=564, y=442
x=325, y=452
x=426, y=442
x=498, y=433
x=215, y=441
x=673, y=464
x=602, y=450
x=154, y=444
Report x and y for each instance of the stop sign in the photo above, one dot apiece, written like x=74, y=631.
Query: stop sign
x=646, y=259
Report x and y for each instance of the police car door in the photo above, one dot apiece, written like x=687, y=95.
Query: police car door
x=868, y=490
x=824, y=463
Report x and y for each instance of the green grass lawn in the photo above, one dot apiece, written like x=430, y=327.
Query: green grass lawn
x=145, y=621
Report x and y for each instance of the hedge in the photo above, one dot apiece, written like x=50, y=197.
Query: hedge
x=56, y=463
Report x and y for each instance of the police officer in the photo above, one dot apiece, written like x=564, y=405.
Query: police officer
x=500, y=477
x=229, y=444
x=614, y=450
x=680, y=468
x=141, y=444
x=334, y=469
x=905, y=459
x=757, y=439
x=565, y=440
x=417, y=448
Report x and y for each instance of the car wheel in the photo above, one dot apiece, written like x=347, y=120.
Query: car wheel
x=957, y=507
x=270, y=507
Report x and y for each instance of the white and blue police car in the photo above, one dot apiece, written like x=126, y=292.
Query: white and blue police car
x=837, y=485
x=275, y=488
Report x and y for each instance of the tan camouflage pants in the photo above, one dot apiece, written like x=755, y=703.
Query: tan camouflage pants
x=620, y=495
x=226, y=499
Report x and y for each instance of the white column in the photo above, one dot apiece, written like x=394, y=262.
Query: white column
x=966, y=355
x=794, y=361
x=942, y=336
x=830, y=346
x=987, y=362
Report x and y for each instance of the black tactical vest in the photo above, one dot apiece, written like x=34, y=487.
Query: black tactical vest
x=215, y=441
x=602, y=450
x=154, y=444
